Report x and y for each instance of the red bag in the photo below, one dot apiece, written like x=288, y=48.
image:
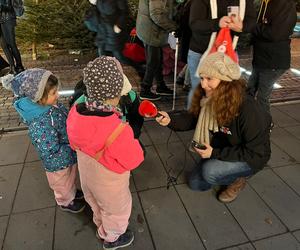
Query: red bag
x=133, y=50
x=223, y=43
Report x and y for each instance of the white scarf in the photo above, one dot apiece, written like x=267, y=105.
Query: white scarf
x=206, y=122
x=214, y=15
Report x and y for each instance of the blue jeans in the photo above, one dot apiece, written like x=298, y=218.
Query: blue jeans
x=261, y=83
x=215, y=172
x=193, y=61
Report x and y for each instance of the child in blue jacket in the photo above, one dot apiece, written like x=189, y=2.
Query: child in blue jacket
x=36, y=102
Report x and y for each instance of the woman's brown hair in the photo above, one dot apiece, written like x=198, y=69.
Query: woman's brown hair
x=51, y=84
x=226, y=100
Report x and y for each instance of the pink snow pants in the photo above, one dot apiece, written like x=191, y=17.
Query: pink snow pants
x=108, y=195
x=62, y=183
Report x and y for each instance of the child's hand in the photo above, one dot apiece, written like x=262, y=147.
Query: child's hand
x=204, y=153
x=163, y=118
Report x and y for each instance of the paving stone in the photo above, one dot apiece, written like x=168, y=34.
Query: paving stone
x=131, y=184
x=215, y=224
x=260, y=221
x=34, y=191
x=144, y=138
x=291, y=175
x=287, y=142
x=170, y=225
x=150, y=173
x=281, y=119
x=295, y=131
x=30, y=231
x=186, y=136
x=13, y=149
x=285, y=241
x=277, y=195
x=159, y=134
x=75, y=231
x=292, y=110
x=142, y=239
x=242, y=247
x=297, y=235
x=177, y=159
x=9, y=177
x=3, y=225
x=32, y=154
x=279, y=157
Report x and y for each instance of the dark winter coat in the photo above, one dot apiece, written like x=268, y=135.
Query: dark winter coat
x=112, y=12
x=184, y=31
x=9, y=9
x=271, y=37
x=102, y=18
x=202, y=25
x=246, y=139
x=155, y=21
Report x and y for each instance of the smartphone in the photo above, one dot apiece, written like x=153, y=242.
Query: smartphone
x=233, y=11
x=198, y=145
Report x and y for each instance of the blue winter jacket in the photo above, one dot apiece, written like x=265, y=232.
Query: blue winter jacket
x=47, y=130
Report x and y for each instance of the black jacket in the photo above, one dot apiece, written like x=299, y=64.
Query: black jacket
x=246, y=139
x=203, y=26
x=271, y=37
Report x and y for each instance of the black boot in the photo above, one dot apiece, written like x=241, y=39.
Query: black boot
x=19, y=69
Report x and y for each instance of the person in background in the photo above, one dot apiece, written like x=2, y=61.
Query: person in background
x=207, y=17
x=107, y=151
x=109, y=18
x=232, y=132
x=154, y=23
x=271, y=47
x=37, y=94
x=9, y=10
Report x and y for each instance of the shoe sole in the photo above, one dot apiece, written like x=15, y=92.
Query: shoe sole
x=165, y=94
x=72, y=211
x=150, y=99
x=79, y=198
x=128, y=244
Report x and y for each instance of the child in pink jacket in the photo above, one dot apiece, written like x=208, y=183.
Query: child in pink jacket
x=106, y=151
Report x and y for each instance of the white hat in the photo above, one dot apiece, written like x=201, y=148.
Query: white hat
x=126, y=86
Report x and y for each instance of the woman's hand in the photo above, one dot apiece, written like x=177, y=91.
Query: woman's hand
x=204, y=153
x=163, y=119
x=236, y=24
x=224, y=22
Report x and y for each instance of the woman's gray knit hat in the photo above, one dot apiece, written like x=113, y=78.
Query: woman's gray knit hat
x=219, y=65
x=103, y=78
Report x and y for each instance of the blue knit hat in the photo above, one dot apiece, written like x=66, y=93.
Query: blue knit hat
x=30, y=83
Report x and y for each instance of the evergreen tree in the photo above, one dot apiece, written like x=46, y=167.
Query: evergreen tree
x=59, y=22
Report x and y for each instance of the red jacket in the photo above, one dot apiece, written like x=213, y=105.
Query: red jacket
x=90, y=132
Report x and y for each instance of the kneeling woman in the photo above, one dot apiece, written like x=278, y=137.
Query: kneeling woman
x=233, y=128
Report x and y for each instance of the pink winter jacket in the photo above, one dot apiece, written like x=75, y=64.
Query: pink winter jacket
x=89, y=134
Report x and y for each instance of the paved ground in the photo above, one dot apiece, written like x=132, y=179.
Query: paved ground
x=266, y=216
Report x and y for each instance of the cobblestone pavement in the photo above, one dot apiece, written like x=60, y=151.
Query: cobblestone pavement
x=265, y=216
x=69, y=70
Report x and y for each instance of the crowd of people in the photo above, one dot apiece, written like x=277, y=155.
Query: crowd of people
x=99, y=136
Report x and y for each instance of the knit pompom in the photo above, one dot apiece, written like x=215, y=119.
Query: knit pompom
x=7, y=80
